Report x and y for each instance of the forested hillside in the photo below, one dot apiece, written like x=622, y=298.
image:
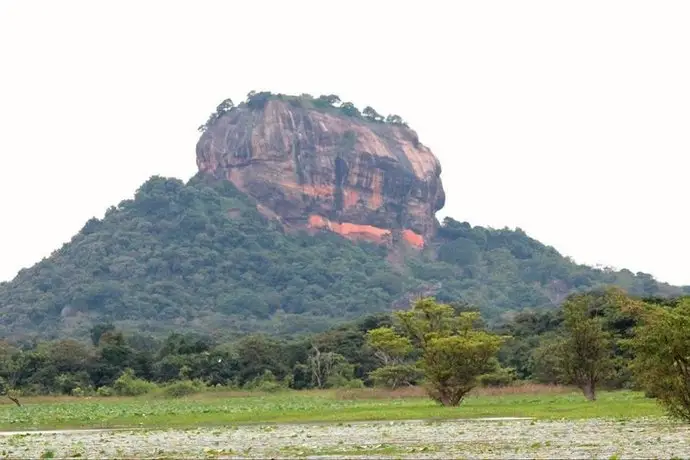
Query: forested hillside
x=200, y=257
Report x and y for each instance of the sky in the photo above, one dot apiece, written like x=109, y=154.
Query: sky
x=569, y=120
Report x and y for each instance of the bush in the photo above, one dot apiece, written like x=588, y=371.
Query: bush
x=183, y=388
x=129, y=385
x=500, y=377
x=66, y=383
x=105, y=391
x=77, y=392
x=266, y=382
x=353, y=384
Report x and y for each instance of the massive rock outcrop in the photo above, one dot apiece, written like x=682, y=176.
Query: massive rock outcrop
x=319, y=168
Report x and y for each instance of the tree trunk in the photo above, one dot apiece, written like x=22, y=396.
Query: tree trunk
x=15, y=400
x=589, y=391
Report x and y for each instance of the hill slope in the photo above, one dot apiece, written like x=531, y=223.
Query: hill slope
x=200, y=256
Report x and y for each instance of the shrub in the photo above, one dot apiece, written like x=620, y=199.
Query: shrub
x=66, y=383
x=77, y=392
x=265, y=382
x=183, y=388
x=129, y=385
x=500, y=377
x=105, y=391
x=353, y=384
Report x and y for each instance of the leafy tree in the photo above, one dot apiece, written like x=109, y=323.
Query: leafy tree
x=395, y=120
x=661, y=345
x=372, y=114
x=98, y=330
x=111, y=359
x=392, y=350
x=225, y=106
x=454, y=353
x=184, y=344
x=325, y=101
x=452, y=364
x=328, y=369
x=543, y=364
x=10, y=369
x=258, y=353
x=258, y=100
x=388, y=346
x=349, y=109
x=585, y=353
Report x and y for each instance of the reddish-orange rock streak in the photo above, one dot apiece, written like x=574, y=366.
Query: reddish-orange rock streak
x=413, y=238
x=349, y=230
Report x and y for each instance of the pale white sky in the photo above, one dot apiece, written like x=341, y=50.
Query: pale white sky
x=568, y=119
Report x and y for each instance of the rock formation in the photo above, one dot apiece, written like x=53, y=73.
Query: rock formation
x=318, y=168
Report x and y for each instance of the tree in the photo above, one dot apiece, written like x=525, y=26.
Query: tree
x=585, y=352
x=372, y=114
x=349, y=109
x=258, y=100
x=395, y=120
x=225, y=106
x=392, y=350
x=10, y=367
x=98, y=330
x=257, y=353
x=325, y=101
x=454, y=353
x=543, y=364
x=661, y=345
x=388, y=346
x=328, y=369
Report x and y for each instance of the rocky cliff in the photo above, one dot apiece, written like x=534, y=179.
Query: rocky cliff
x=320, y=168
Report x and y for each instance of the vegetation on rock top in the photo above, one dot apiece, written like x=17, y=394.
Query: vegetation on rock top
x=330, y=102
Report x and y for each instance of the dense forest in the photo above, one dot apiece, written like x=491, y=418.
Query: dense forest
x=365, y=352
x=199, y=257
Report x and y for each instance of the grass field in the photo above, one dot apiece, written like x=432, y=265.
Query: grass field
x=228, y=408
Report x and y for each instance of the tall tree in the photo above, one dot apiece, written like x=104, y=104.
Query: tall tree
x=10, y=367
x=585, y=352
x=661, y=345
x=328, y=367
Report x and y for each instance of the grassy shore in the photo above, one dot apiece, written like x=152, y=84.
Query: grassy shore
x=228, y=408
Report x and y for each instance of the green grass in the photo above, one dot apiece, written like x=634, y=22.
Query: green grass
x=308, y=406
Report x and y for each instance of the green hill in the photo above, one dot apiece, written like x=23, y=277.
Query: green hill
x=200, y=257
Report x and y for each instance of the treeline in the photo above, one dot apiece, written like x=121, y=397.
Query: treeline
x=602, y=339
x=113, y=362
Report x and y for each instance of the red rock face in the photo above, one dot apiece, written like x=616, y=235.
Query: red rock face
x=321, y=169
